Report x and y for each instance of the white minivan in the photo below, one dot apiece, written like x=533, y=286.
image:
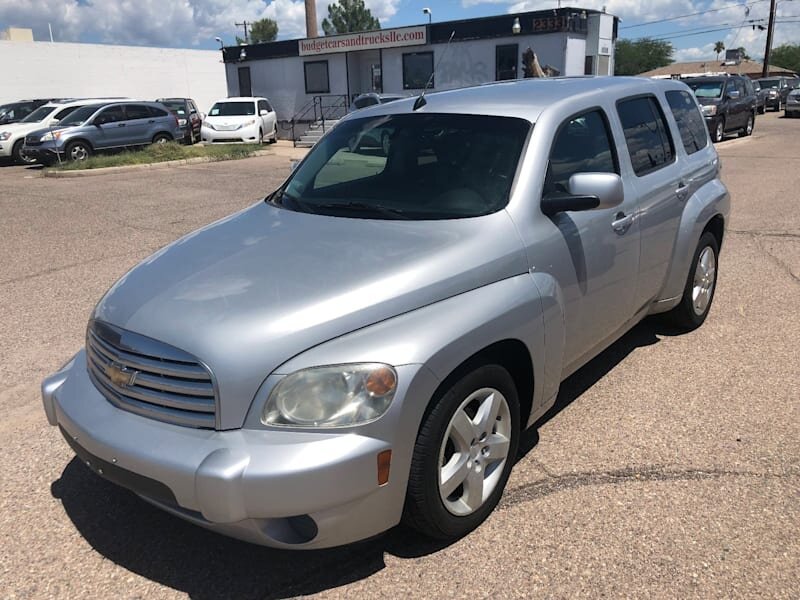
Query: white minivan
x=242, y=119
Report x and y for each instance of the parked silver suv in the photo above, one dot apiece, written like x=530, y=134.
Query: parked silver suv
x=368, y=342
x=106, y=126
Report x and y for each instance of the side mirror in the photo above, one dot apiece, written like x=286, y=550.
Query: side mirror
x=263, y=112
x=202, y=116
x=733, y=94
x=587, y=191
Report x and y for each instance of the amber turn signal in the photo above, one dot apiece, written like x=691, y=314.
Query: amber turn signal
x=380, y=381
x=384, y=462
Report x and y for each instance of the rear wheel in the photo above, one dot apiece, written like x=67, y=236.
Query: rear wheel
x=78, y=151
x=463, y=455
x=19, y=156
x=778, y=106
x=162, y=138
x=698, y=293
x=748, y=129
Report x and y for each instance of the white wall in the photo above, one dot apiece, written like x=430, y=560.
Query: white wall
x=52, y=70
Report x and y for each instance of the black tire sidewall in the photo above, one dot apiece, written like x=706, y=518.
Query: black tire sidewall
x=684, y=313
x=424, y=507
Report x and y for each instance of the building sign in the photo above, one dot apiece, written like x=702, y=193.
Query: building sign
x=368, y=40
x=572, y=21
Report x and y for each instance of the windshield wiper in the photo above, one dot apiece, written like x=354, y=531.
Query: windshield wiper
x=365, y=207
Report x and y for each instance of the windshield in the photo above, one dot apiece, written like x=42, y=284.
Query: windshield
x=770, y=84
x=79, y=115
x=178, y=106
x=409, y=166
x=706, y=89
x=39, y=114
x=233, y=109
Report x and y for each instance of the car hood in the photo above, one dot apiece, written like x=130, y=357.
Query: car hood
x=249, y=292
x=706, y=101
x=234, y=120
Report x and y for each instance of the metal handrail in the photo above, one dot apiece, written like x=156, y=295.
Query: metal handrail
x=334, y=109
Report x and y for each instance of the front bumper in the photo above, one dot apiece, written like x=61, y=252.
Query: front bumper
x=248, y=134
x=284, y=489
x=6, y=147
x=43, y=153
x=792, y=107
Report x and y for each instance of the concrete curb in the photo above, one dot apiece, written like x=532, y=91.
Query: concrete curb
x=168, y=164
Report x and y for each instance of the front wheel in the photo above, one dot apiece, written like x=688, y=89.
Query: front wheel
x=274, y=137
x=719, y=131
x=463, y=455
x=19, y=156
x=78, y=151
x=698, y=293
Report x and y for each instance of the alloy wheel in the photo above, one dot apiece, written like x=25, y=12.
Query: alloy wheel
x=704, y=280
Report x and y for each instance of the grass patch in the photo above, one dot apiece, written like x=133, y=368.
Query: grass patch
x=156, y=153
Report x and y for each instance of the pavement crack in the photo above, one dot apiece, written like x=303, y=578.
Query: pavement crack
x=559, y=483
x=65, y=267
x=758, y=237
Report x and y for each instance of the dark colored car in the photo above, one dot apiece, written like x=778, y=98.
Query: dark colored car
x=100, y=127
x=777, y=89
x=761, y=98
x=371, y=99
x=16, y=111
x=189, y=118
x=728, y=103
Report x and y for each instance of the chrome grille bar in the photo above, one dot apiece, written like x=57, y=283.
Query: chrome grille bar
x=150, y=378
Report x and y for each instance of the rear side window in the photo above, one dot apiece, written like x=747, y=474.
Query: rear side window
x=137, y=111
x=582, y=145
x=646, y=135
x=156, y=112
x=690, y=124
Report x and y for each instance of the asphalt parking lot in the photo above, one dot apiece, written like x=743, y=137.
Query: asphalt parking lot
x=670, y=466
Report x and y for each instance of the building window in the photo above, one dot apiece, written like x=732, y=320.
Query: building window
x=317, y=81
x=245, y=89
x=588, y=65
x=506, y=62
x=417, y=70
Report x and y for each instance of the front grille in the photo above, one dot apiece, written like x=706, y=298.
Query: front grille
x=150, y=378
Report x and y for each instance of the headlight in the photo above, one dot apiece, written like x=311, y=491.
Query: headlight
x=710, y=109
x=50, y=136
x=247, y=123
x=335, y=396
x=210, y=126
x=5, y=135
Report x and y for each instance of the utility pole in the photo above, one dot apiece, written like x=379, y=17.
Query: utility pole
x=770, y=30
x=247, y=38
x=311, y=19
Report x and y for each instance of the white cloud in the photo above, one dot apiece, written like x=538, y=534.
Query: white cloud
x=164, y=22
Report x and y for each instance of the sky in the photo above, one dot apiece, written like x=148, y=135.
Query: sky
x=692, y=26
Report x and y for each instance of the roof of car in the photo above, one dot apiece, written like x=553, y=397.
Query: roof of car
x=523, y=98
x=241, y=98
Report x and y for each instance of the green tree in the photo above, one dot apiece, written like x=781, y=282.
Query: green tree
x=263, y=30
x=786, y=56
x=718, y=48
x=347, y=16
x=633, y=57
x=743, y=53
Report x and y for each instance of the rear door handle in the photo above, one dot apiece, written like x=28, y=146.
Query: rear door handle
x=120, y=124
x=621, y=222
x=682, y=191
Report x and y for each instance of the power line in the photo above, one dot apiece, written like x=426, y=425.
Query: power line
x=750, y=23
x=702, y=12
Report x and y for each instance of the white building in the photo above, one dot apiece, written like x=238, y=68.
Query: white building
x=292, y=73
x=61, y=70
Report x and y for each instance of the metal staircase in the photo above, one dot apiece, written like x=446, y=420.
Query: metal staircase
x=319, y=115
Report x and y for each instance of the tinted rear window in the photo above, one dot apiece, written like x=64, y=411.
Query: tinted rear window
x=690, y=121
x=646, y=135
x=176, y=106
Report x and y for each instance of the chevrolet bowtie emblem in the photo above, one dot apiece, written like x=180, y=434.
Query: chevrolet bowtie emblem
x=120, y=376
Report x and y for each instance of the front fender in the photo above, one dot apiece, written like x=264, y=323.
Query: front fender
x=708, y=201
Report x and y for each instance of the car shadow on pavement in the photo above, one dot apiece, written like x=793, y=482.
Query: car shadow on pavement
x=164, y=549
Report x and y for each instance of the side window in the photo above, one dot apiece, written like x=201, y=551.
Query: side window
x=582, y=145
x=268, y=105
x=112, y=114
x=262, y=106
x=154, y=111
x=65, y=111
x=192, y=108
x=741, y=87
x=137, y=111
x=690, y=122
x=646, y=135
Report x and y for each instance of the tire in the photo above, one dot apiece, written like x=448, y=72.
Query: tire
x=692, y=312
x=78, y=151
x=274, y=137
x=719, y=131
x=486, y=458
x=748, y=129
x=260, y=136
x=778, y=106
x=162, y=138
x=762, y=110
x=20, y=157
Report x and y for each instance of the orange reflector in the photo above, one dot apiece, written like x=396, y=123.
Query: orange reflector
x=384, y=461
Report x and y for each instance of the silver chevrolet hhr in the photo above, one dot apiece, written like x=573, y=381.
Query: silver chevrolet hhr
x=365, y=345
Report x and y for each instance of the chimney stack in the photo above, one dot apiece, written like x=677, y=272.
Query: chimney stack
x=311, y=19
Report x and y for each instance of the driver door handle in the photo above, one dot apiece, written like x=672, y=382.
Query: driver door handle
x=682, y=191
x=621, y=222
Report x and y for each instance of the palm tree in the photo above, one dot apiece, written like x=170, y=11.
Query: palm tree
x=718, y=47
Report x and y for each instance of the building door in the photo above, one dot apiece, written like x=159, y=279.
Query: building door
x=244, y=82
x=506, y=59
